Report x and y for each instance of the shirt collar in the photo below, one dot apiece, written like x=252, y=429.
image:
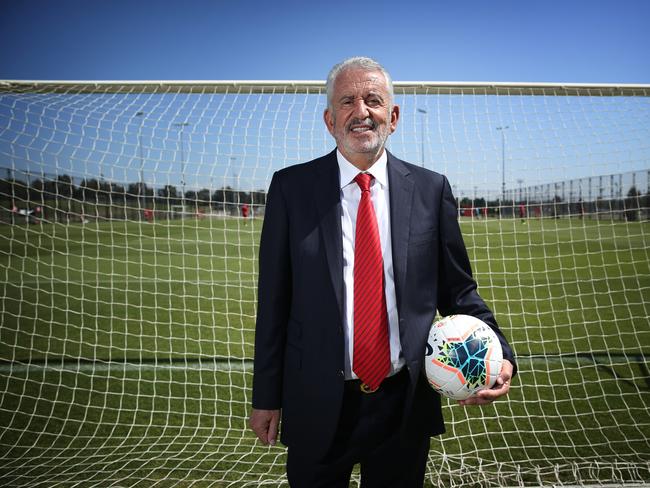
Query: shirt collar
x=349, y=171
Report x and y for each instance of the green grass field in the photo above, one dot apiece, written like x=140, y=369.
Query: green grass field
x=125, y=353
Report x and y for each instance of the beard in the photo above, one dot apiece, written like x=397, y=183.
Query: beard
x=362, y=136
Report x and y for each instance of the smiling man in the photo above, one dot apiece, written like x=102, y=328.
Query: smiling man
x=358, y=251
x=360, y=114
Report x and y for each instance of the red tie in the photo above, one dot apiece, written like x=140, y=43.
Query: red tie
x=371, y=361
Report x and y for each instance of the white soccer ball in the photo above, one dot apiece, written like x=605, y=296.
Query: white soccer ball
x=463, y=356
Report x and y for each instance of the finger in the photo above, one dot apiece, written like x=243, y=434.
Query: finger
x=261, y=434
x=474, y=401
x=260, y=428
x=502, y=379
x=495, y=392
x=506, y=371
x=273, y=431
x=485, y=397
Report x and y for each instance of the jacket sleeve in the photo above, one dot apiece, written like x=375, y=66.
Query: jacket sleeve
x=274, y=299
x=458, y=291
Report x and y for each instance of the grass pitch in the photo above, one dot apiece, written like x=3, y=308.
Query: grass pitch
x=125, y=354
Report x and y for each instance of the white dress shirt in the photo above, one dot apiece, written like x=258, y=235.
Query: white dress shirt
x=350, y=197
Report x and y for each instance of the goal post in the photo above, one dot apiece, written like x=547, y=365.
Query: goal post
x=130, y=215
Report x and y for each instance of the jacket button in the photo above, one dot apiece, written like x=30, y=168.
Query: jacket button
x=341, y=373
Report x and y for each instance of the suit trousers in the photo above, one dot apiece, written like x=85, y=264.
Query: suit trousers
x=369, y=433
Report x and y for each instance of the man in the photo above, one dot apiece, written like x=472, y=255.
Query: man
x=244, y=213
x=321, y=321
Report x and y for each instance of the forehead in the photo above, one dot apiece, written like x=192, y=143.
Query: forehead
x=355, y=81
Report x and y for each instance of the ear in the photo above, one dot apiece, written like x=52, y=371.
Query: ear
x=329, y=120
x=394, y=117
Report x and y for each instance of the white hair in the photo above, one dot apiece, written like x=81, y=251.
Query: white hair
x=357, y=62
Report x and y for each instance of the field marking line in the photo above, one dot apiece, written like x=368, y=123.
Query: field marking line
x=245, y=365
x=219, y=365
x=135, y=280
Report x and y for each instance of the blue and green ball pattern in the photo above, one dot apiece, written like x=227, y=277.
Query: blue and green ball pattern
x=463, y=356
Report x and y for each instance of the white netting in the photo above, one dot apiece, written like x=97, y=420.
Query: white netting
x=130, y=216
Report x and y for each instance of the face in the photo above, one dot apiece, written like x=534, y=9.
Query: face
x=361, y=116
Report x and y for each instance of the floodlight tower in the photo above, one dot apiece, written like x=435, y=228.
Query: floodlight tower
x=143, y=195
x=182, y=126
x=503, y=161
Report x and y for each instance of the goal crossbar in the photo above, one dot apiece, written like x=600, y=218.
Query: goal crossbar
x=311, y=86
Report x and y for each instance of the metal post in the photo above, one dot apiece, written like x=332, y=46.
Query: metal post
x=143, y=196
x=182, y=126
x=503, y=161
x=423, y=112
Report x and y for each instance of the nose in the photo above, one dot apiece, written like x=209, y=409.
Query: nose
x=360, y=109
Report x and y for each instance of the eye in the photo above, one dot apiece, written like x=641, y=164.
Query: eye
x=373, y=102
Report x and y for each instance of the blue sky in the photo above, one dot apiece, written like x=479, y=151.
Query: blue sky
x=550, y=41
x=549, y=139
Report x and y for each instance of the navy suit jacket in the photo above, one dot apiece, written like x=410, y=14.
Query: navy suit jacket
x=299, y=342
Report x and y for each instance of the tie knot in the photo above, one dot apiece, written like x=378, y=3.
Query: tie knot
x=363, y=180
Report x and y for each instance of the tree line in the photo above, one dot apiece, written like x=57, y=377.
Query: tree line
x=98, y=190
x=59, y=196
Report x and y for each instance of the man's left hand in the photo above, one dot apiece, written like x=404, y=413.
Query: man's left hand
x=500, y=388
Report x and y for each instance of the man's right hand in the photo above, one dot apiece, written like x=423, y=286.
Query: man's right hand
x=265, y=424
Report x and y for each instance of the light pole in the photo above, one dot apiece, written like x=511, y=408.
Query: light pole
x=503, y=161
x=423, y=112
x=182, y=126
x=474, y=201
x=234, y=171
x=142, y=186
x=235, y=183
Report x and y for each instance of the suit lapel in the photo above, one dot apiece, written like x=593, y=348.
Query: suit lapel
x=401, y=198
x=328, y=201
x=327, y=193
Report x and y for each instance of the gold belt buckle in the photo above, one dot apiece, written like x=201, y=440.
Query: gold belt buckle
x=366, y=389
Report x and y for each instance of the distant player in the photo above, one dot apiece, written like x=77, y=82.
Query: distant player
x=148, y=214
x=522, y=212
x=244, y=213
x=25, y=212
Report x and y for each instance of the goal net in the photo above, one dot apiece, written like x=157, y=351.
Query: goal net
x=130, y=216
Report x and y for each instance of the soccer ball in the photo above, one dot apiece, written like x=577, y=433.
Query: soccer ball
x=463, y=356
